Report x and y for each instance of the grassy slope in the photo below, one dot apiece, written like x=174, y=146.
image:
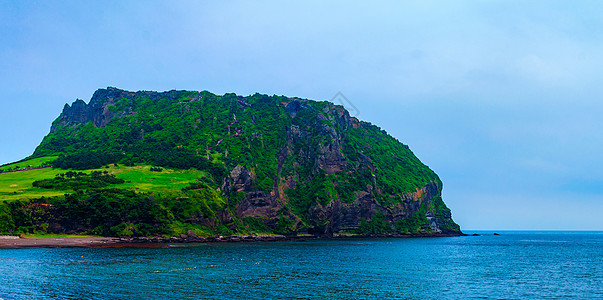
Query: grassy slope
x=23, y=188
x=30, y=163
x=143, y=180
x=137, y=177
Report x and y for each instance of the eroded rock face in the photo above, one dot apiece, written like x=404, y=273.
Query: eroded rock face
x=336, y=216
x=258, y=204
x=99, y=110
x=241, y=180
x=255, y=203
x=344, y=217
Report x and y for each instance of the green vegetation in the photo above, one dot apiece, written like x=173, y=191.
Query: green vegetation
x=320, y=190
x=142, y=179
x=98, y=208
x=398, y=170
x=98, y=212
x=78, y=181
x=118, y=212
x=413, y=223
x=162, y=163
x=28, y=164
x=378, y=225
x=19, y=185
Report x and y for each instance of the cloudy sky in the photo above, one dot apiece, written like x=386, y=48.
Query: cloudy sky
x=501, y=98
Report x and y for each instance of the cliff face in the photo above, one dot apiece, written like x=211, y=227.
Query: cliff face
x=96, y=111
x=302, y=163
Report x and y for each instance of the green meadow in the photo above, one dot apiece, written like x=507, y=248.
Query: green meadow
x=142, y=179
x=18, y=185
x=30, y=163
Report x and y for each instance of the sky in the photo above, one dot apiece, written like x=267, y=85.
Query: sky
x=502, y=99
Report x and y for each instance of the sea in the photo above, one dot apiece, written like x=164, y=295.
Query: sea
x=511, y=265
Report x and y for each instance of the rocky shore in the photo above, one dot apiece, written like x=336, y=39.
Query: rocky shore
x=271, y=238
x=89, y=242
x=68, y=242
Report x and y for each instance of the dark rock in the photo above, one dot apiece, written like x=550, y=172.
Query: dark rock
x=241, y=179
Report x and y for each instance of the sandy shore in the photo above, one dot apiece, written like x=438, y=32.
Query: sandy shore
x=57, y=242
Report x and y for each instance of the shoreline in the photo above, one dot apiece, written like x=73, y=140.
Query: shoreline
x=112, y=242
x=67, y=242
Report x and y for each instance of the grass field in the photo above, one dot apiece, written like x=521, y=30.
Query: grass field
x=31, y=163
x=18, y=185
x=142, y=179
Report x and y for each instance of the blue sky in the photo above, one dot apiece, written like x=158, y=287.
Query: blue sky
x=501, y=98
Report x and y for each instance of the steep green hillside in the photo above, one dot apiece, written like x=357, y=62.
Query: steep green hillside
x=224, y=165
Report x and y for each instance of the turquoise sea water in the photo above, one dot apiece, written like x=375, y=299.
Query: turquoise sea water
x=514, y=265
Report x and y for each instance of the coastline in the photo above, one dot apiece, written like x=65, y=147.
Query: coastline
x=67, y=242
x=111, y=242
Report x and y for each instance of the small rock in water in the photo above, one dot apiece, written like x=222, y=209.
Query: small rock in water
x=496, y=233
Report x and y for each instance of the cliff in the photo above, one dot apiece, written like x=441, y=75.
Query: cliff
x=284, y=164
